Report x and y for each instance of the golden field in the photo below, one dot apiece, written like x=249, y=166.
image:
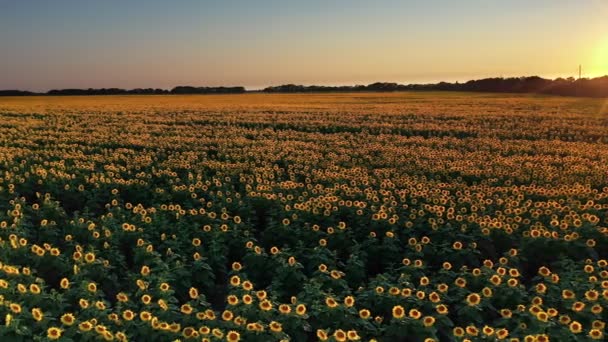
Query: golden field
x=368, y=216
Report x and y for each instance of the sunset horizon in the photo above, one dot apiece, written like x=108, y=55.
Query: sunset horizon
x=259, y=87
x=153, y=44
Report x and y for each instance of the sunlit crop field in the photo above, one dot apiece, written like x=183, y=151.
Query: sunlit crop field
x=395, y=217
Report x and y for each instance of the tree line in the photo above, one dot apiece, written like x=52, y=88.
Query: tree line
x=594, y=87
x=137, y=91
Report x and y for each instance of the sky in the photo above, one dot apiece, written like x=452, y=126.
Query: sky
x=161, y=44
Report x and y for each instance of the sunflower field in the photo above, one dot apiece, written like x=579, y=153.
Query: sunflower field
x=334, y=217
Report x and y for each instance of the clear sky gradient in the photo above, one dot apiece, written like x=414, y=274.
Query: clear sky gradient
x=127, y=43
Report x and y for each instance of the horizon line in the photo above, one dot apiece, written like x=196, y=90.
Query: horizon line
x=305, y=84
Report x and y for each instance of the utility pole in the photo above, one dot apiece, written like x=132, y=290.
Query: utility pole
x=580, y=71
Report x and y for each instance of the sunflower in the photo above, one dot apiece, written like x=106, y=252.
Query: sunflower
x=349, y=301
x=330, y=302
x=398, y=311
x=53, y=333
x=35, y=289
x=145, y=270
x=89, y=257
x=275, y=326
x=175, y=327
x=37, y=314
x=247, y=299
x=239, y=320
x=233, y=336
x=145, y=316
x=473, y=299
x=472, y=330
x=542, y=316
x=68, y=319
x=552, y=312
x=186, y=309
x=575, y=327
x=495, y=279
x=227, y=315
x=247, y=285
x=460, y=282
x=596, y=334
x=100, y=305
x=189, y=332
x=428, y=321
x=232, y=300
x=83, y=303
x=235, y=280
x=541, y=288
x=15, y=308
x=564, y=319
x=414, y=313
x=544, y=271
x=592, y=295
x=164, y=287
x=340, y=335
x=210, y=314
x=301, y=309
x=128, y=315
x=122, y=297
x=514, y=272
x=441, y=309
x=121, y=336
x=146, y=299
x=236, y=266
x=568, y=294
x=578, y=306
x=542, y=338
x=434, y=297
x=163, y=304
x=502, y=333
x=265, y=305
x=193, y=293
x=352, y=335
x=365, y=314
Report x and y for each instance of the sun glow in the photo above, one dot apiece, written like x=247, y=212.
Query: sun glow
x=600, y=59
